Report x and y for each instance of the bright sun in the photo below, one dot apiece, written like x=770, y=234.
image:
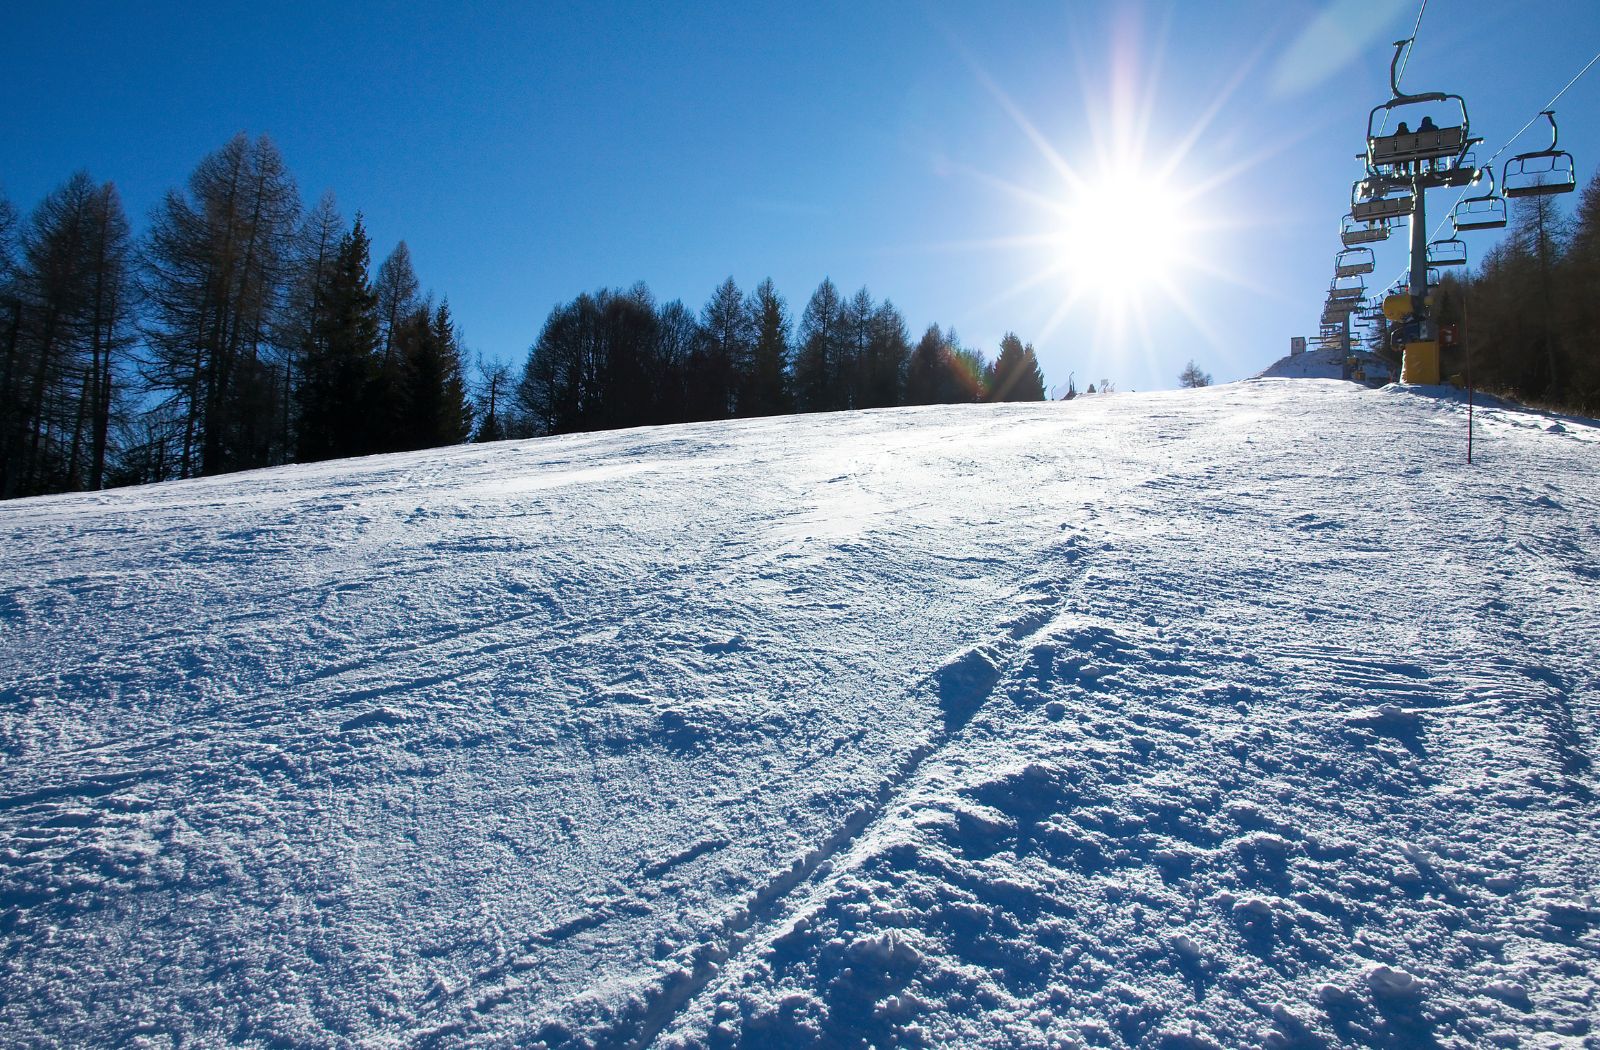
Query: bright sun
x=1123, y=234
x=1131, y=230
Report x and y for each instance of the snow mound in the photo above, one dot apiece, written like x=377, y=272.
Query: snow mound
x=1245, y=716
x=1325, y=363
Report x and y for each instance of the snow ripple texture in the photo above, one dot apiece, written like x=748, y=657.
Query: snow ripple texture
x=1248, y=716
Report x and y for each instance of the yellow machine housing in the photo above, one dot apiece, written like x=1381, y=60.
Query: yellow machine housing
x=1420, y=364
x=1397, y=307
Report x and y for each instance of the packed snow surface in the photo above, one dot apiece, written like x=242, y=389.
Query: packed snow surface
x=1325, y=363
x=1243, y=716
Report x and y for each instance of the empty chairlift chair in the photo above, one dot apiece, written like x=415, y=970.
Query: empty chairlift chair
x=1450, y=251
x=1353, y=262
x=1540, y=172
x=1379, y=200
x=1485, y=211
x=1352, y=233
x=1347, y=290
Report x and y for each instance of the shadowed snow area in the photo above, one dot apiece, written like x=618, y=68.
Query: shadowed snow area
x=1241, y=716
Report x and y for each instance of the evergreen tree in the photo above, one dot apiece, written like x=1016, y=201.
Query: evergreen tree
x=966, y=379
x=941, y=372
x=888, y=351
x=432, y=402
x=764, y=388
x=337, y=386
x=626, y=359
x=396, y=288
x=300, y=324
x=924, y=368
x=1016, y=375
x=724, y=354
x=856, y=365
x=818, y=376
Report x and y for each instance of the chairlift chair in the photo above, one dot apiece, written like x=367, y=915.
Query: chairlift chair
x=1348, y=290
x=1378, y=200
x=1334, y=312
x=1541, y=172
x=1485, y=211
x=1450, y=251
x=1353, y=262
x=1353, y=233
x=1433, y=275
x=1399, y=147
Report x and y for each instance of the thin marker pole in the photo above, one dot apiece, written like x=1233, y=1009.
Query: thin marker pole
x=1466, y=350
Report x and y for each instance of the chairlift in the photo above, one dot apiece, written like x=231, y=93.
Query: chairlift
x=1347, y=290
x=1433, y=275
x=1450, y=251
x=1353, y=262
x=1427, y=142
x=1485, y=211
x=1541, y=172
x=1352, y=233
x=1375, y=200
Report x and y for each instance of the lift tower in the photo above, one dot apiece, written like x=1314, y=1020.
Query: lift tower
x=1402, y=165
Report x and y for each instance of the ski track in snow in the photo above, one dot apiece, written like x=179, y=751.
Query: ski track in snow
x=1243, y=716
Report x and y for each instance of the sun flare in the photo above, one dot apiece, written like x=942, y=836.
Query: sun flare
x=1131, y=227
x=1123, y=233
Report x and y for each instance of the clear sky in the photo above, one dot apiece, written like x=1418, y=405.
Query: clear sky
x=1125, y=185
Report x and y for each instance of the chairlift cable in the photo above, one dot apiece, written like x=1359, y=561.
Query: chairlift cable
x=1406, y=58
x=1548, y=105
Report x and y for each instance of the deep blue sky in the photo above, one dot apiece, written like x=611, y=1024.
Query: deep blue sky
x=530, y=151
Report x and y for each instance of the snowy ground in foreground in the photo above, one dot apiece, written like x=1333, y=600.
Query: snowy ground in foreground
x=1241, y=716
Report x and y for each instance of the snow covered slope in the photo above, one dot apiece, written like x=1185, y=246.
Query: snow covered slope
x=1239, y=716
x=1324, y=363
